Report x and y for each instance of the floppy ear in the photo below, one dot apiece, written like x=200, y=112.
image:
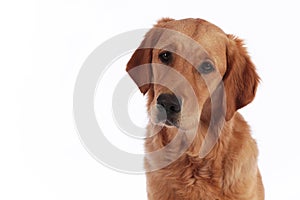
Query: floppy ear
x=240, y=79
x=142, y=57
x=141, y=75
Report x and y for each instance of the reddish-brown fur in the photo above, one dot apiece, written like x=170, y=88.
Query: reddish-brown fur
x=229, y=170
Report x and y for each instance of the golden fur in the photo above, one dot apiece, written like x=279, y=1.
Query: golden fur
x=227, y=171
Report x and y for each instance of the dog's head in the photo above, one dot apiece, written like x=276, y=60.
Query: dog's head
x=192, y=70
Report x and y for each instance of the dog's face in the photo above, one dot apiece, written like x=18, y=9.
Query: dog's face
x=191, y=69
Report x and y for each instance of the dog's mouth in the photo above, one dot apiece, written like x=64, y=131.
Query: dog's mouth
x=168, y=123
x=171, y=123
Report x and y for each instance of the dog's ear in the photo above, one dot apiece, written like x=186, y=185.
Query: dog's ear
x=139, y=66
x=240, y=79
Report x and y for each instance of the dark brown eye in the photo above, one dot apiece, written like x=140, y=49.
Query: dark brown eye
x=165, y=57
x=206, y=67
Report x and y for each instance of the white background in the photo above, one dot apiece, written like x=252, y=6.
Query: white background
x=42, y=47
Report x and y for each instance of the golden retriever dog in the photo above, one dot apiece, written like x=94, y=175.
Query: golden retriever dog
x=198, y=146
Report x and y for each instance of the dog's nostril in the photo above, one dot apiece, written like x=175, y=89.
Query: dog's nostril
x=169, y=102
x=175, y=108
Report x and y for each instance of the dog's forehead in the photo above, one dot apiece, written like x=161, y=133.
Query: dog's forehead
x=192, y=34
x=194, y=27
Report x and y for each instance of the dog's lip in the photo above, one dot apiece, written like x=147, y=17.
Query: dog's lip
x=170, y=123
x=166, y=122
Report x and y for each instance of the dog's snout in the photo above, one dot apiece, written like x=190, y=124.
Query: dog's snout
x=170, y=103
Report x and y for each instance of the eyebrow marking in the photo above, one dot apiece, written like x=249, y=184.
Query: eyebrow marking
x=169, y=47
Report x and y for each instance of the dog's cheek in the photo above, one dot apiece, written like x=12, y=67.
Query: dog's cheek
x=150, y=98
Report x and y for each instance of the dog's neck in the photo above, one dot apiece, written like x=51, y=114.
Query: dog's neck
x=186, y=146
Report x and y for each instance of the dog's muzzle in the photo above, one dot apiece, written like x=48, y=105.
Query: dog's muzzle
x=168, y=109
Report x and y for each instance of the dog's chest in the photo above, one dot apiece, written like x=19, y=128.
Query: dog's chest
x=188, y=182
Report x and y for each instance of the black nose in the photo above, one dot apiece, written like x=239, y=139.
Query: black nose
x=170, y=103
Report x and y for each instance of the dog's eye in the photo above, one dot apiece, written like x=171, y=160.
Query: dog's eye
x=206, y=67
x=165, y=57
